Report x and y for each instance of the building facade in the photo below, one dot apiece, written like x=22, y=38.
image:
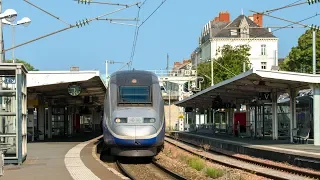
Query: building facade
x=241, y=31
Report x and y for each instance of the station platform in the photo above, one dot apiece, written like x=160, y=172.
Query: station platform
x=303, y=155
x=73, y=159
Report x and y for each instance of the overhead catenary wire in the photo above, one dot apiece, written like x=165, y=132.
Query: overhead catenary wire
x=293, y=23
x=282, y=19
x=56, y=17
x=137, y=34
x=134, y=38
x=114, y=21
x=296, y=3
x=153, y=12
x=97, y=2
x=72, y=26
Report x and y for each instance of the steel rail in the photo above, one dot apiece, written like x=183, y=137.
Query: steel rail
x=255, y=162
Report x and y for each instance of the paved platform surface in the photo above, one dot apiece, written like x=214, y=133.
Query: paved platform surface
x=267, y=144
x=60, y=161
x=45, y=161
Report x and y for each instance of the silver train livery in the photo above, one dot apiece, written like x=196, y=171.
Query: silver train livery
x=133, y=121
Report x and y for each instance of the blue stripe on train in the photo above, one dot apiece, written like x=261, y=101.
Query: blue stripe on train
x=131, y=142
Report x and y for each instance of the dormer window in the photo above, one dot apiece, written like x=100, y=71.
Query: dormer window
x=233, y=32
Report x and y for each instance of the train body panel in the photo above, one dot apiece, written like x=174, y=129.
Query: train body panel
x=133, y=123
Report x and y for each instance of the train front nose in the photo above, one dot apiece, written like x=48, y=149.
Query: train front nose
x=135, y=135
x=135, y=126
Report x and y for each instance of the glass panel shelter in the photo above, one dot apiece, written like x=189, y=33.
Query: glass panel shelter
x=13, y=112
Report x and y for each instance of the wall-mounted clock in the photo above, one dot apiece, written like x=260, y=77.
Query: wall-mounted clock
x=74, y=89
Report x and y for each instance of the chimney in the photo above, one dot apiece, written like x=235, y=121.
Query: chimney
x=216, y=19
x=176, y=64
x=258, y=19
x=74, y=68
x=224, y=17
x=186, y=61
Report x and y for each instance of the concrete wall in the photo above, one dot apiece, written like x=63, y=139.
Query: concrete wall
x=209, y=49
x=174, y=111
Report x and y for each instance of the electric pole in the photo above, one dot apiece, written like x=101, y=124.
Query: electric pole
x=314, y=52
x=1, y=38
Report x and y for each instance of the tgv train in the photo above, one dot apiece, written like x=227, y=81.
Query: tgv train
x=133, y=123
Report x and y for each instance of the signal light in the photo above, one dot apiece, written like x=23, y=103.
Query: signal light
x=312, y=1
x=82, y=23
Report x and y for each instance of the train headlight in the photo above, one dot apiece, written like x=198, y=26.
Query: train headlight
x=149, y=120
x=121, y=120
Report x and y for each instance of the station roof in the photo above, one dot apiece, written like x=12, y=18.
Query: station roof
x=54, y=85
x=246, y=86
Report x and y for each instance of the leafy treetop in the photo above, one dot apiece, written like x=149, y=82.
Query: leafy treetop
x=28, y=66
x=300, y=56
x=229, y=64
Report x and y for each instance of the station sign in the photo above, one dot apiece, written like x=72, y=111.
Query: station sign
x=264, y=96
x=8, y=80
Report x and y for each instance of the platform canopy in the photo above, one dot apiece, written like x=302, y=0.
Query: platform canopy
x=249, y=85
x=53, y=85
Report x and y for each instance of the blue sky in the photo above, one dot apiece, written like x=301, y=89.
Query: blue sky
x=173, y=29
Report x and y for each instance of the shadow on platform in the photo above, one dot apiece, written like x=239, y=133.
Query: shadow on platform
x=81, y=137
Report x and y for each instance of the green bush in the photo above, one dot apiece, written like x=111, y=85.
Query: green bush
x=214, y=173
x=196, y=163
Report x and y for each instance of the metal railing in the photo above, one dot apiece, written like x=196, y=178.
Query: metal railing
x=173, y=94
x=211, y=128
x=178, y=73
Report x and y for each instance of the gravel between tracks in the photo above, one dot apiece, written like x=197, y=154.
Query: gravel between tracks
x=240, y=164
x=174, y=159
x=179, y=166
x=146, y=171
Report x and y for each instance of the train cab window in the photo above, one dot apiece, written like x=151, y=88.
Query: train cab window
x=134, y=94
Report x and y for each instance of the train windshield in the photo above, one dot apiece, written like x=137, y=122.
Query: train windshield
x=134, y=94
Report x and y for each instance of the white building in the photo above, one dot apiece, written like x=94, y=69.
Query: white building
x=241, y=31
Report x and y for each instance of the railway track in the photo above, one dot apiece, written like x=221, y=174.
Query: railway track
x=152, y=170
x=257, y=167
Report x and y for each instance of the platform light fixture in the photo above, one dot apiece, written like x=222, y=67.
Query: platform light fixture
x=9, y=14
x=25, y=21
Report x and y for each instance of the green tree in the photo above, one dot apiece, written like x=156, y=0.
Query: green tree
x=300, y=56
x=28, y=66
x=225, y=67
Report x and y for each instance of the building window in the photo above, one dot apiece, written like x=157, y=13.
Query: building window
x=263, y=49
x=263, y=65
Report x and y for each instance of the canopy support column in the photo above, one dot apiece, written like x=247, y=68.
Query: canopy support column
x=316, y=114
x=293, y=112
x=275, y=115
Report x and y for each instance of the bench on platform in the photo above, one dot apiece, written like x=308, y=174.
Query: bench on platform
x=302, y=135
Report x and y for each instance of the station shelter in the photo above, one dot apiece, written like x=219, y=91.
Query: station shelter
x=254, y=104
x=64, y=103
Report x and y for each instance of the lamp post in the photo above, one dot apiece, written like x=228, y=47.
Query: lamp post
x=24, y=21
x=212, y=83
x=9, y=15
